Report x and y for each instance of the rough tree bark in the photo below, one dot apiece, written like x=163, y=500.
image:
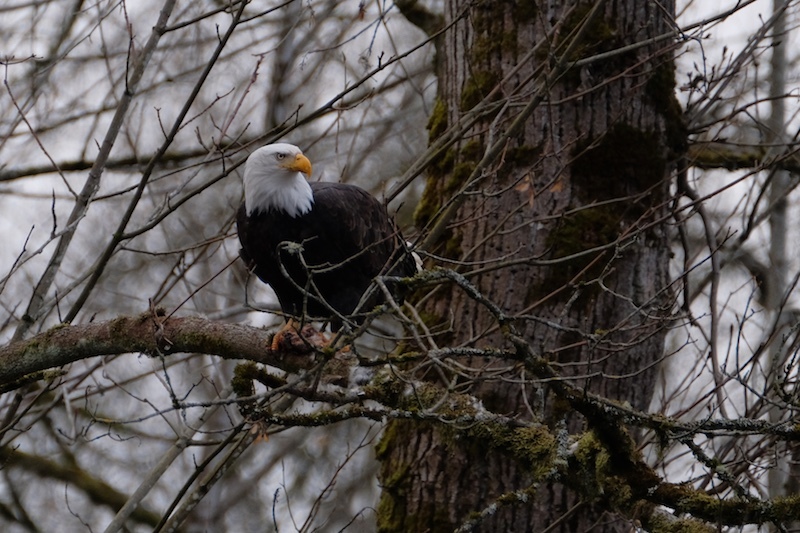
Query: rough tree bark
x=587, y=171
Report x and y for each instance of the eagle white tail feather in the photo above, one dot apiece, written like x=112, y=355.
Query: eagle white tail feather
x=415, y=255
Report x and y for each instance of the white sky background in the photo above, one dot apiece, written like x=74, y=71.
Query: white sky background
x=732, y=203
x=744, y=325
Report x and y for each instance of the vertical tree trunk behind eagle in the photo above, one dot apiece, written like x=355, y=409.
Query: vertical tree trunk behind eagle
x=588, y=171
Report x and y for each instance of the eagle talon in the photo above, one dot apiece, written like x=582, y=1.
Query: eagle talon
x=301, y=340
x=276, y=342
x=278, y=338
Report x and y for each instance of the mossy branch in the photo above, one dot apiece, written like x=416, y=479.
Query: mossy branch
x=734, y=157
x=147, y=333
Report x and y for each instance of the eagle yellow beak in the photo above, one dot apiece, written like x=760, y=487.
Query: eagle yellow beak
x=300, y=164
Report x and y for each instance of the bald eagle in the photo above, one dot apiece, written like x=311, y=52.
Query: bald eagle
x=318, y=245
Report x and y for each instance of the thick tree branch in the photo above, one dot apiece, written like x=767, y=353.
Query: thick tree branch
x=735, y=157
x=147, y=333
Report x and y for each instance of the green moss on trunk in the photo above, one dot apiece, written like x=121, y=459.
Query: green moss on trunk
x=625, y=161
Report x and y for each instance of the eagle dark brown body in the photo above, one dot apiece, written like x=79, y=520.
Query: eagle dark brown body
x=321, y=263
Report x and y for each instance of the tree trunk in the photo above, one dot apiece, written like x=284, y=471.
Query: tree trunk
x=784, y=477
x=588, y=171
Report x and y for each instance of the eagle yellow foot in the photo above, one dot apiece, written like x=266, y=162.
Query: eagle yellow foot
x=278, y=338
x=296, y=339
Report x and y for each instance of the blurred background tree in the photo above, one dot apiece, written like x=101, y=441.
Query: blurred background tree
x=605, y=334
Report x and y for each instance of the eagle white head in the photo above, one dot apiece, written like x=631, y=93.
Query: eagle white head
x=274, y=179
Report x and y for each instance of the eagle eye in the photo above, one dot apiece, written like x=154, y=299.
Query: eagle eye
x=280, y=155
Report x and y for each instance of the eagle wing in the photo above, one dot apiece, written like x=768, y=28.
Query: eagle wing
x=356, y=225
x=346, y=240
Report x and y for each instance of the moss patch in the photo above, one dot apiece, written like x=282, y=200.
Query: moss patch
x=659, y=523
x=588, y=228
x=445, y=179
x=532, y=447
x=599, y=36
x=525, y=11
x=492, y=37
x=477, y=88
x=660, y=91
x=395, y=479
x=437, y=122
x=243, y=376
x=596, y=478
x=625, y=161
x=524, y=156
